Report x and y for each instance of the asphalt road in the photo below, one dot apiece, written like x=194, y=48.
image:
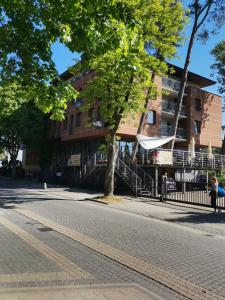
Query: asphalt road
x=54, y=244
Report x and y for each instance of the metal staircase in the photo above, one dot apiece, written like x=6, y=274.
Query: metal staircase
x=144, y=181
x=139, y=181
x=88, y=168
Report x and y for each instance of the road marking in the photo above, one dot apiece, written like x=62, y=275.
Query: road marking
x=68, y=266
x=4, y=212
x=84, y=292
x=178, y=284
x=27, y=277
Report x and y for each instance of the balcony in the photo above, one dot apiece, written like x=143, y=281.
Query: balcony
x=167, y=131
x=169, y=107
x=171, y=84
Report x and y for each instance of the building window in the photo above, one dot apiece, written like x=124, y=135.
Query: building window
x=78, y=119
x=65, y=123
x=91, y=114
x=71, y=124
x=197, y=127
x=151, y=117
x=198, y=104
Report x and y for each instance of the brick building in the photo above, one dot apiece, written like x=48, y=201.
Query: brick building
x=201, y=118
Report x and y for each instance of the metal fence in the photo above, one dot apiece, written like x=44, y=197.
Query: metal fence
x=188, y=192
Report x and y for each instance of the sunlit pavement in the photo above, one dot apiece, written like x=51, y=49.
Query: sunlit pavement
x=55, y=244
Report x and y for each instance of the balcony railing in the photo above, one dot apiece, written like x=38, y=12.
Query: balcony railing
x=170, y=107
x=171, y=84
x=184, y=159
x=180, y=159
x=167, y=131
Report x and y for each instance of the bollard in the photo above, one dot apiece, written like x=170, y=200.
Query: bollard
x=45, y=186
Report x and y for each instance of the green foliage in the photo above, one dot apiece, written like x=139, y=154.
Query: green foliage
x=122, y=75
x=219, y=66
x=29, y=28
x=221, y=178
x=25, y=125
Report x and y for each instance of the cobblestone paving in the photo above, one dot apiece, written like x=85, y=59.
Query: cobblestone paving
x=186, y=253
x=102, y=270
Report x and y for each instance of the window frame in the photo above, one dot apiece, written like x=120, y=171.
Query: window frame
x=71, y=125
x=197, y=128
x=198, y=104
x=154, y=117
x=78, y=124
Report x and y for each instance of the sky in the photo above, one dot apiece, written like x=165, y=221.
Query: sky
x=201, y=58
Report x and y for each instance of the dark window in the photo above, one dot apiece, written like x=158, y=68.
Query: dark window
x=71, y=124
x=78, y=119
x=92, y=114
x=54, y=128
x=198, y=104
x=197, y=127
x=151, y=117
x=58, y=128
x=65, y=123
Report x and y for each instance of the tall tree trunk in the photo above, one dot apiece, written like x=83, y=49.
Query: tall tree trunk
x=111, y=163
x=13, y=161
x=142, y=119
x=112, y=148
x=183, y=84
x=197, y=24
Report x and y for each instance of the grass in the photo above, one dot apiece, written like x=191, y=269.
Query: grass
x=107, y=199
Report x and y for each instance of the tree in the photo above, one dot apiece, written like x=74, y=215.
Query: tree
x=162, y=46
x=29, y=28
x=212, y=11
x=219, y=66
x=21, y=122
x=121, y=76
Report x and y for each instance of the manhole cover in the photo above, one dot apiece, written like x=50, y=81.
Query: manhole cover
x=43, y=229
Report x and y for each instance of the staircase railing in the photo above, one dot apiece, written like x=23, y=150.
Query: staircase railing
x=88, y=167
x=139, y=181
x=148, y=182
x=128, y=176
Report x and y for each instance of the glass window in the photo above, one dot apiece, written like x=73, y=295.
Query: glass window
x=151, y=117
x=71, y=124
x=65, y=123
x=197, y=127
x=78, y=119
x=198, y=104
x=92, y=115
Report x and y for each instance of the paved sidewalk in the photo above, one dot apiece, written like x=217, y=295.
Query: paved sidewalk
x=197, y=217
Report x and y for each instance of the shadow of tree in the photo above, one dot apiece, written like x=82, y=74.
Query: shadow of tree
x=198, y=217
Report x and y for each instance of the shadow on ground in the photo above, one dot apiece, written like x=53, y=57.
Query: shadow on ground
x=198, y=217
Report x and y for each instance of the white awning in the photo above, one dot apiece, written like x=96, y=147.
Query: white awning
x=153, y=142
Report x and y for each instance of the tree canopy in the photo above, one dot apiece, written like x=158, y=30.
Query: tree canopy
x=29, y=28
x=219, y=66
x=122, y=75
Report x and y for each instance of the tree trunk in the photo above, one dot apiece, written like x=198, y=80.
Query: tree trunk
x=141, y=123
x=183, y=83
x=197, y=24
x=111, y=163
x=13, y=161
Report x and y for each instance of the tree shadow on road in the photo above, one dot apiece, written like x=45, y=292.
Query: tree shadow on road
x=9, y=202
x=198, y=217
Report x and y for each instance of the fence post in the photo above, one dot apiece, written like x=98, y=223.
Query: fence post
x=156, y=180
x=136, y=185
x=184, y=183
